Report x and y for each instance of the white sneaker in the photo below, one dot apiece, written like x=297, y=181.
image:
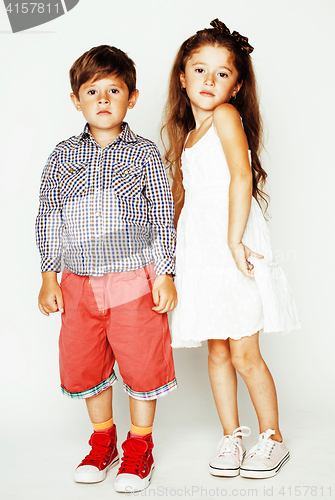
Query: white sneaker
x=266, y=458
x=230, y=454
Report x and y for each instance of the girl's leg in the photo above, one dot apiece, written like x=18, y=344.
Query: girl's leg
x=223, y=380
x=247, y=360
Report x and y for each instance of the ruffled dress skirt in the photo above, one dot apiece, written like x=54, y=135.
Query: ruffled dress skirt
x=215, y=300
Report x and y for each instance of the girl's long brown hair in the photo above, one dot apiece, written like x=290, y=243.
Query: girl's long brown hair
x=178, y=117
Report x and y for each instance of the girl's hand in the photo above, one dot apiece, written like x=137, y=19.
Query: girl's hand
x=241, y=254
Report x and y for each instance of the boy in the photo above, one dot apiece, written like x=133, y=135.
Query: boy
x=106, y=208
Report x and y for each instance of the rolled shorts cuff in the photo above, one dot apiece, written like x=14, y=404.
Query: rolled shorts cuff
x=156, y=393
x=94, y=391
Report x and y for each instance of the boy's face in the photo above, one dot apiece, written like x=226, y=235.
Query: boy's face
x=104, y=104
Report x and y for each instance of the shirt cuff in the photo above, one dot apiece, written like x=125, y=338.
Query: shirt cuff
x=51, y=264
x=165, y=267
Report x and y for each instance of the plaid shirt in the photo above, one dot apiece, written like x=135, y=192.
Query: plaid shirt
x=105, y=209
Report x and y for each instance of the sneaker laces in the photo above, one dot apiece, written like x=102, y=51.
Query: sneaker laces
x=230, y=443
x=133, y=462
x=264, y=445
x=98, y=453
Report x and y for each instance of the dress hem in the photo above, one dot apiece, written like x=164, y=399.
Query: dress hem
x=198, y=343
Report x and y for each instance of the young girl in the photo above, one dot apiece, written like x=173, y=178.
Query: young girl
x=228, y=283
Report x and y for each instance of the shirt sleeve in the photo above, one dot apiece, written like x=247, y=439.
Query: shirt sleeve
x=160, y=214
x=49, y=224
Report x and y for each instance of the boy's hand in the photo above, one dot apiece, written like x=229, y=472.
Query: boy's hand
x=164, y=294
x=50, y=298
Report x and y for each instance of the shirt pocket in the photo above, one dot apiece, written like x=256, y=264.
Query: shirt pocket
x=73, y=180
x=127, y=180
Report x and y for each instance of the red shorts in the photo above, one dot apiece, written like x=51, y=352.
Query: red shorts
x=110, y=318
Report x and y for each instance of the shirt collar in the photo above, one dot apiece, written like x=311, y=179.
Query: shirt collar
x=126, y=134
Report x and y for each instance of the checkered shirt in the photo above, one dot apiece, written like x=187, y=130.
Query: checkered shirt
x=105, y=209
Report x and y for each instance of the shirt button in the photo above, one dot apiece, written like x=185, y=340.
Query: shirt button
x=98, y=214
x=71, y=170
x=126, y=172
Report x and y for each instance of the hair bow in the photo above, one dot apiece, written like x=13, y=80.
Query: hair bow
x=241, y=40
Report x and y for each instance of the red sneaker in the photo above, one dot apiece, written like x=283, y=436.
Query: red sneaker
x=137, y=465
x=102, y=457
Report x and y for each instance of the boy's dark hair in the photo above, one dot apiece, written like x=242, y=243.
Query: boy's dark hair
x=100, y=62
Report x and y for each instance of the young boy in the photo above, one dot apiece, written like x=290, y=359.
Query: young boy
x=107, y=210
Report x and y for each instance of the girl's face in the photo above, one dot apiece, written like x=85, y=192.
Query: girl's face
x=210, y=78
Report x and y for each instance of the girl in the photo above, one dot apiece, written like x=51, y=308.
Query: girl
x=228, y=283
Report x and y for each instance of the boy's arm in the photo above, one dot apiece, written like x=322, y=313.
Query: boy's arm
x=164, y=294
x=49, y=238
x=161, y=215
x=50, y=298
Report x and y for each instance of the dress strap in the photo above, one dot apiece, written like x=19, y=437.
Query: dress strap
x=186, y=139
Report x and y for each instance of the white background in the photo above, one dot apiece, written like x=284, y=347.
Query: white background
x=44, y=434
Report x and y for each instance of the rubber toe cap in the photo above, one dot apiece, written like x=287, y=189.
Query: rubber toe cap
x=130, y=482
x=89, y=474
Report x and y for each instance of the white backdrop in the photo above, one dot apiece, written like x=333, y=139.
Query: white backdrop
x=294, y=62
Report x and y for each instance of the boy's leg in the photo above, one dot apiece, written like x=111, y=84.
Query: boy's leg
x=137, y=462
x=86, y=369
x=141, y=343
x=100, y=407
x=103, y=455
x=142, y=414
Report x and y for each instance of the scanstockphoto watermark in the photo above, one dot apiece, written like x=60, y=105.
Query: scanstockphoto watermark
x=199, y=492
x=288, y=255
x=195, y=492
x=25, y=15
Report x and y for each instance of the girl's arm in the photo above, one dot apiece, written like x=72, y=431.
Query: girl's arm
x=227, y=123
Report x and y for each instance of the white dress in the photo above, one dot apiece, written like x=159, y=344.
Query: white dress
x=215, y=300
